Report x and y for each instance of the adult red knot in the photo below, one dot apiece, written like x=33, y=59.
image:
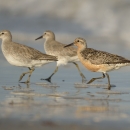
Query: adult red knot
x=65, y=55
x=98, y=61
x=22, y=55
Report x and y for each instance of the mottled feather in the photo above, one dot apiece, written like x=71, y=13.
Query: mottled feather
x=101, y=57
x=18, y=50
x=56, y=48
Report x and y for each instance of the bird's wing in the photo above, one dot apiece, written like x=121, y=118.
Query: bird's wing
x=101, y=57
x=30, y=53
x=58, y=49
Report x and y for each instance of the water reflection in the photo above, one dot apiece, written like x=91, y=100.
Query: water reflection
x=64, y=101
x=48, y=85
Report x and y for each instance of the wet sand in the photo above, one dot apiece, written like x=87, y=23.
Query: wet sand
x=66, y=103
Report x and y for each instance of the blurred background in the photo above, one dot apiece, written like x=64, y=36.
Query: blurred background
x=103, y=23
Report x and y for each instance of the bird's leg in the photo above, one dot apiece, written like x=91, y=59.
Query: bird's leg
x=93, y=79
x=23, y=74
x=49, y=78
x=109, y=85
x=31, y=70
x=81, y=74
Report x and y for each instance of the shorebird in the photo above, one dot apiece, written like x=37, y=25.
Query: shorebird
x=65, y=55
x=21, y=55
x=98, y=61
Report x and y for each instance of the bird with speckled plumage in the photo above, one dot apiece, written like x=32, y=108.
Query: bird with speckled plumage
x=98, y=61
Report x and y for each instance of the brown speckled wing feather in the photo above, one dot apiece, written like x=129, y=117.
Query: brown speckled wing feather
x=101, y=57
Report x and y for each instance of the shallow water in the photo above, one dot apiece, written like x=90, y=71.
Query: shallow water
x=66, y=100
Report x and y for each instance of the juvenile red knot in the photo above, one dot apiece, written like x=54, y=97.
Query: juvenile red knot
x=65, y=55
x=22, y=55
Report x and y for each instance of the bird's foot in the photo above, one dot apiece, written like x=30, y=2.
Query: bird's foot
x=21, y=77
x=83, y=78
x=90, y=81
x=47, y=79
x=108, y=88
x=26, y=82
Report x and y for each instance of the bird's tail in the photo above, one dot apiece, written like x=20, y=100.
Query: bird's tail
x=120, y=62
x=49, y=57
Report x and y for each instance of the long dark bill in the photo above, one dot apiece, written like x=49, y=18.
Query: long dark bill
x=69, y=45
x=38, y=38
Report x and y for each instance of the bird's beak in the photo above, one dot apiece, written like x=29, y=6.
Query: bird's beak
x=39, y=37
x=69, y=45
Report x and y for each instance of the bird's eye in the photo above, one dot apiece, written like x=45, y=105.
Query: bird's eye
x=2, y=33
x=78, y=41
x=44, y=33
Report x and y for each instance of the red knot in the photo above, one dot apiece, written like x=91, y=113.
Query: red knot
x=65, y=55
x=98, y=61
x=22, y=55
